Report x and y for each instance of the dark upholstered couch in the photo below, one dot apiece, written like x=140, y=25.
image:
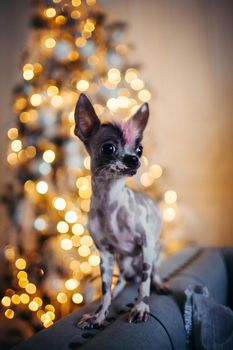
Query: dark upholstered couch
x=165, y=329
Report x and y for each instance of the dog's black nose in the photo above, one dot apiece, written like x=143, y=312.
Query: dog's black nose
x=131, y=161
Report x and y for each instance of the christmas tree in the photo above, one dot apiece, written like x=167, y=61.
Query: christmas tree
x=51, y=263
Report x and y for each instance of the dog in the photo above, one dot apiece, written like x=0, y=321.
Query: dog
x=124, y=224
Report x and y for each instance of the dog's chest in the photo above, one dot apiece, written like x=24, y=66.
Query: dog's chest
x=112, y=223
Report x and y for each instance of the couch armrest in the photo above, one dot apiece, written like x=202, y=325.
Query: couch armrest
x=165, y=326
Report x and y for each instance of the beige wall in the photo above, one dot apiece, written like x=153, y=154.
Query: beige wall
x=187, y=54
x=186, y=50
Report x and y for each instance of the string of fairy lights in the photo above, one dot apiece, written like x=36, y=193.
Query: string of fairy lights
x=75, y=52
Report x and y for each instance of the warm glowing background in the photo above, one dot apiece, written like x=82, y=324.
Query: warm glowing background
x=187, y=53
x=48, y=259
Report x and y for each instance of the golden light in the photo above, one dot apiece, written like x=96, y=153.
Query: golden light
x=22, y=274
x=87, y=240
x=114, y=76
x=144, y=95
x=9, y=313
x=6, y=301
x=123, y=102
x=28, y=74
x=20, y=103
x=66, y=244
x=85, y=205
x=130, y=75
x=75, y=241
x=15, y=299
x=30, y=288
x=146, y=179
x=89, y=26
x=74, y=265
x=16, y=145
x=75, y=15
x=62, y=227
x=144, y=160
x=73, y=55
x=36, y=100
x=27, y=66
x=59, y=203
x=38, y=300
x=24, y=298
x=87, y=162
x=169, y=214
x=23, y=282
x=51, y=315
x=33, y=306
x=112, y=104
x=82, y=182
x=60, y=20
x=12, y=158
x=76, y=3
x=91, y=2
x=72, y=131
x=52, y=90
x=12, y=133
x=136, y=84
x=30, y=151
x=48, y=323
x=22, y=155
x=56, y=101
x=62, y=298
x=49, y=156
x=85, y=193
x=71, y=117
x=71, y=216
x=20, y=264
x=77, y=298
x=71, y=284
x=85, y=267
x=156, y=171
x=50, y=43
x=80, y=42
x=170, y=197
x=84, y=250
x=50, y=12
x=9, y=253
x=28, y=116
x=50, y=307
x=29, y=186
x=45, y=317
x=77, y=229
x=40, y=313
x=42, y=187
x=82, y=85
x=94, y=260
x=24, y=117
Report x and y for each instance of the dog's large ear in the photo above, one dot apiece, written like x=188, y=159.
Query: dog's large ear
x=140, y=118
x=86, y=120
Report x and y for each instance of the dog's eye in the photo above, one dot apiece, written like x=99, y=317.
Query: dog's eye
x=108, y=149
x=139, y=151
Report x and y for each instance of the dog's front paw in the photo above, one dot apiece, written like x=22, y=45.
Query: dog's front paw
x=89, y=321
x=139, y=313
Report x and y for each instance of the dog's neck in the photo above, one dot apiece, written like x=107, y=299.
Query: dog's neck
x=107, y=190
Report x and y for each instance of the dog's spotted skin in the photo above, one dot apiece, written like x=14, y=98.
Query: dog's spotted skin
x=124, y=224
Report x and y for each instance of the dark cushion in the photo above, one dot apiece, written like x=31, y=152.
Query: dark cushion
x=228, y=257
x=207, y=269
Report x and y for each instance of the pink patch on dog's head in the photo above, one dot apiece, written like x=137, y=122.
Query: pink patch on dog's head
x=129, y=131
